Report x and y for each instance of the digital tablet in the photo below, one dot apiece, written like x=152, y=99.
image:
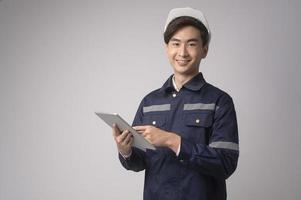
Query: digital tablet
x=139, y=141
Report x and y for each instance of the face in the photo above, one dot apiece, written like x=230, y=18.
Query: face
x=185, y=51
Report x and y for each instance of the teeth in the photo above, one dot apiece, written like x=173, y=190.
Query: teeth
x=182, y=61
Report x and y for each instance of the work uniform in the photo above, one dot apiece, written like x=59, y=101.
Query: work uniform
x=205, y=118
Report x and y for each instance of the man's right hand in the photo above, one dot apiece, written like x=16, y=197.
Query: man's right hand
x=124, y=140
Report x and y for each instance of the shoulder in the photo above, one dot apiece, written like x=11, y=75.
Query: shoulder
x=153, y=96
x=219, y=95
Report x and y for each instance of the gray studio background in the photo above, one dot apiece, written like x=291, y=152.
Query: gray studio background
x=60, y=61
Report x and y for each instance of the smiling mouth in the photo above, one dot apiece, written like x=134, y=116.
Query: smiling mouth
x=182, y=62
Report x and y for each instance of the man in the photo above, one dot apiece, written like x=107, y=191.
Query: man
x=192, y=123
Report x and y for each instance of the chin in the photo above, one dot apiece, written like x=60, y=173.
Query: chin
x=184, y=70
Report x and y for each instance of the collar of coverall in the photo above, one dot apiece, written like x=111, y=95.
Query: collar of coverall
x=194, y=84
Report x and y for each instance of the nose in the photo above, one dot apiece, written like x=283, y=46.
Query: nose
x=183, y=51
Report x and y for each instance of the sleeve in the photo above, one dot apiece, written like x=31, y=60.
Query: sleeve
x=136, y=161
x=218, y=158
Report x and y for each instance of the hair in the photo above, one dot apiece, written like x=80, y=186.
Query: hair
x=180, y=22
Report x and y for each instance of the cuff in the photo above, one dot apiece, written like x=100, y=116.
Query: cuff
x=185, y=149
x=179, y=148
x=126, y=156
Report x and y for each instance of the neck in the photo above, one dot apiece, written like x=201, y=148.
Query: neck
x=181, y=79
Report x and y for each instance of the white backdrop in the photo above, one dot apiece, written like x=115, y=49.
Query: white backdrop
x=62, y=60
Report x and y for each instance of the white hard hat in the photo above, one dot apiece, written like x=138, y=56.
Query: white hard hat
x=189, y=12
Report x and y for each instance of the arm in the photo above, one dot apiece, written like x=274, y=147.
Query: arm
x=134, y=159
x=219, y=158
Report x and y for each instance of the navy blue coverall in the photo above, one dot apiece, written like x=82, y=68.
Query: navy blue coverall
x=205, y=118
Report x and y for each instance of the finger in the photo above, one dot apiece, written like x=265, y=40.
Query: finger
x=139, y=128
x=131, y=141
x=140, y=132
x=127, y=139
x=148, y=139
x=123, y=136
x=145, y=134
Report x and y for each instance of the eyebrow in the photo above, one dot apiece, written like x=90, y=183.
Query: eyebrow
x=190, y=40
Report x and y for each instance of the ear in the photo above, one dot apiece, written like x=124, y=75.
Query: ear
x=205, y=51
x=166, y=48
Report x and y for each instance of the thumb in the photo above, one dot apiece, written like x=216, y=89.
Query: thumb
x=116, y=131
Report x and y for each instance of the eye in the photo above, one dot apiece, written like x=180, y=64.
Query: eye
x=175, y=44
x=192, y=44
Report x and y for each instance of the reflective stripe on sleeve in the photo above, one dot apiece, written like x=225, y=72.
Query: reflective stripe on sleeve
x=225, y=145
x=153, y=108
x=199, y=106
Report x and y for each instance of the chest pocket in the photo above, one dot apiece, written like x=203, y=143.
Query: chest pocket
x=156, y=120
x=198, y=119
x=197, y=126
